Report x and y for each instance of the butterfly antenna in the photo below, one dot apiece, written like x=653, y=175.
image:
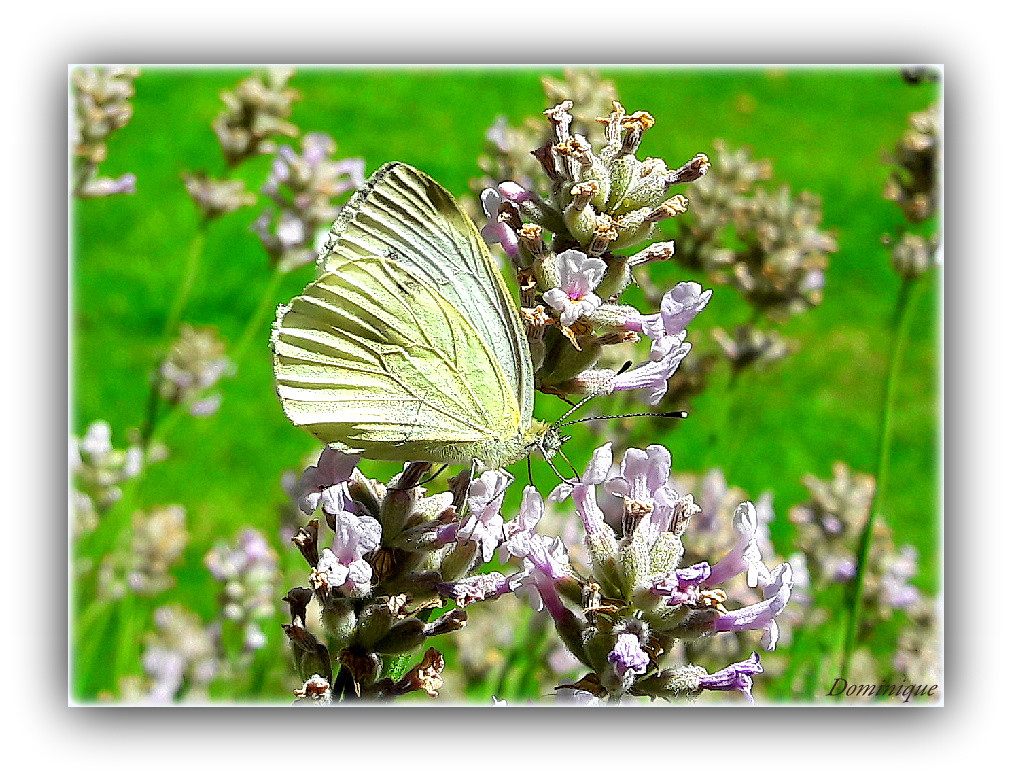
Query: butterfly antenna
x=666, y=414
x=574, y=408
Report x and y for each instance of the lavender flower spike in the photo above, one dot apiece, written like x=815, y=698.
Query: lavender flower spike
x=761, y=615
x=737, y=676
x=102, y=187
x=574, y=297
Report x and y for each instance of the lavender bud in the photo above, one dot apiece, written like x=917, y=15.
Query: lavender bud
x=306, y=540
x=455, y=619
x=406, y=636
x=666, y=553
x=623, y=170
x=634, y=561
x=339, y=619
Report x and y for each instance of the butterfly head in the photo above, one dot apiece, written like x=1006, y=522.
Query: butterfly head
x=551, y=440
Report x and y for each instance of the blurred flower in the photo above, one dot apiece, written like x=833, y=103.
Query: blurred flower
x=303, y=189
x=255, y=112
x=897, y=591
x=918, y=74
x=179, y=655
x=780, y=251
x=828, y=527
x=99, y=469
x=913, y=255
x=751, y=346
x=157, y=543
x=216, y=197
x=913, y=182
x=101, y=106
x=195, y=363
x=249, y=571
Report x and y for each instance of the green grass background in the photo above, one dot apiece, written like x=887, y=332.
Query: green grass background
x=826, y=130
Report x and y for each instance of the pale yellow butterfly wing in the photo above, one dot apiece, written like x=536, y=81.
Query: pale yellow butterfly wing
x=373, y=357
x=404, y=215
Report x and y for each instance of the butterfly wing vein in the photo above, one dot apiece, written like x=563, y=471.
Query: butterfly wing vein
x=404, y=215
x=373, y=354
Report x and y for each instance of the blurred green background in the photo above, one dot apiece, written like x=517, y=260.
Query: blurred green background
x=827, y=131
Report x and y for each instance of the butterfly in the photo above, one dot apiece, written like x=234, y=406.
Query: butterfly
x=408, y=345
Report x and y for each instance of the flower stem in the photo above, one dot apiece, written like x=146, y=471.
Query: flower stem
x=189, y=278
x=900, y=328
x=172, y=320
x=256, y=321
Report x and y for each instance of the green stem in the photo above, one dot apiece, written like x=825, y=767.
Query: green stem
x=151, y=414
x=156, y=428
x=189, y=279
x=126, y=650
x=89, y=648
x=901, y=328
x=538, y=644
x=256, y=321
x=183, y=291
x=499, y=686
